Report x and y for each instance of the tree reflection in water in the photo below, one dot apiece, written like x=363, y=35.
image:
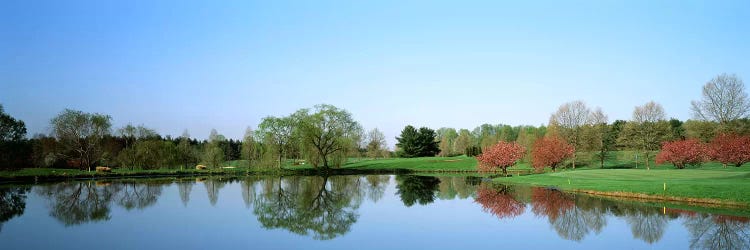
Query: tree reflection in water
x=718, y=232
x=74, y=203
x=570, y=221
x=324, y=207
x=79, y=202
x=213, y=185
x=647, y=224
x=376, y=186
x=135, y=195
x=12, y=203
x=417, y=189
x=498, y=200
x=185, y=186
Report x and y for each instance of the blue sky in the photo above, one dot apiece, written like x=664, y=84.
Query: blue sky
x=197, y=65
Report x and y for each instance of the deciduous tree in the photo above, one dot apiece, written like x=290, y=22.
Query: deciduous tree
x=724, y=99
x=82, y=133
x=447, y=141
x=463, y=141
x=276, y=133
x=682, y=153
x=213, y=155
x=329, y=130
x=598, y=136
x=647, y=130
x=702, y=130
x=502, y=155
x=570, y=119
x=376, y=144
x=730, y=149
x=550, y=151
x=186, y=153
x=249, y=150
x=498, y=200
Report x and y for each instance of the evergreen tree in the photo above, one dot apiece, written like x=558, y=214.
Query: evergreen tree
x=418, y=143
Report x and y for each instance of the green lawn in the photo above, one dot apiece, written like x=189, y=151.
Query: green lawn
x=458, y=163
x=710, y=181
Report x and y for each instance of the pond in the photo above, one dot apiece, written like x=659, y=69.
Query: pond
x=344, y=212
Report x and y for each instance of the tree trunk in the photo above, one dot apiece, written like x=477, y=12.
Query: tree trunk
x=505, y=172
x=280, y=159
x=574, y=159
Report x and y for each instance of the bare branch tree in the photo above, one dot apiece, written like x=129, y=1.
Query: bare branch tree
x=724, y=99
x=570, y=118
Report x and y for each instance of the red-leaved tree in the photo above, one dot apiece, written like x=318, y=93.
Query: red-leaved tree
x=501, y=155
x=498, y=200
x=550, y=203
x=549, y=152
x=730, y=149
x=682, y=153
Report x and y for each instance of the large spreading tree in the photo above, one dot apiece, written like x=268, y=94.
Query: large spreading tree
x=329, y=131
x=82, y=133
x=550, y=151
x=501, y=155
x=682, y=153
x=724, y=100
x=730, y=149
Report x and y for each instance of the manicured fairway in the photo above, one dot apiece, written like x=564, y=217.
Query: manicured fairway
x=730, y=184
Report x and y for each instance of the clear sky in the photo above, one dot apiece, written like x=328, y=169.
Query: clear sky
x=197, y=65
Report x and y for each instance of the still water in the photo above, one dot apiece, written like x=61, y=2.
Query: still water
x=344, y=212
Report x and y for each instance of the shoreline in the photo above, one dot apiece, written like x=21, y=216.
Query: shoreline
x=705, y=202
x=146, y=174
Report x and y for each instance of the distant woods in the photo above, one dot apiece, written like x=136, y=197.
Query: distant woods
x=326, y=136
x=322, y=136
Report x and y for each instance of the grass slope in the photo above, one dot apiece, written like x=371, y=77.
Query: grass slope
x=710, y=182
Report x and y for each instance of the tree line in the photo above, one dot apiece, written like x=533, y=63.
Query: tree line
x=326, y=136
x=323, y=136
x=720, y=131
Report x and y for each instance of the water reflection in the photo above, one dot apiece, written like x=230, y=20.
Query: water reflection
x=324, y=207
x=499, y=201
x=185, y=187
x=718, y=232
x=327, y=207
x=132, y=195
x=12, y=203
x=79, y=202
x=417, y=189
x=647, y=224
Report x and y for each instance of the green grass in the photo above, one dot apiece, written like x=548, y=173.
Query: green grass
x=458, y=163
x=708, y=182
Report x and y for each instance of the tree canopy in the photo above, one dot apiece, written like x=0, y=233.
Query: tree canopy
x=82, y=133
x=724, y=99
x=418, y=143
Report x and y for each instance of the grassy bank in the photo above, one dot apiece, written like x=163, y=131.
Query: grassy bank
x=708, y=184
x=356, y=166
